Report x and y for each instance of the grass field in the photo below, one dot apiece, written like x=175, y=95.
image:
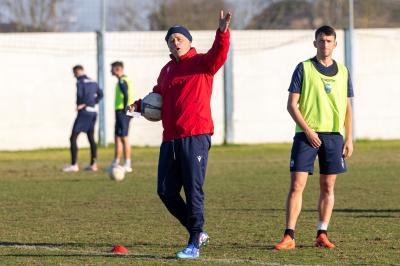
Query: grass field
x=48, y=217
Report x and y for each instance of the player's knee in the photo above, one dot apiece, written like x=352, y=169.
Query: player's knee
x=297, y=187
x=327, y=190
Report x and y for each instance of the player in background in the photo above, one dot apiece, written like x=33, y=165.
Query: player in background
x=185, y=84
x=123, y=98
x=319, y=103
x=88, y=94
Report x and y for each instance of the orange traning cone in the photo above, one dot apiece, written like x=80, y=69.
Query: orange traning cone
x=119, y=249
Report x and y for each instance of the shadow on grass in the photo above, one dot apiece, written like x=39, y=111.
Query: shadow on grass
x=312, y=210
x=354, y=211
x=119, y=256
x=82, y=245
x=67, y=250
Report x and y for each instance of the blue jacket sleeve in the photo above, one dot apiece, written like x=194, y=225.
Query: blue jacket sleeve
x=297, y=79
x=124, y=89
x=99, y=94
x=350, y=91
x=80, y=93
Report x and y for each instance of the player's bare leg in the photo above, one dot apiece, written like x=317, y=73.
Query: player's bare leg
x=295, y=198
x=325, y=208
x=127, y=154
x=293, y=208
x=117, y=151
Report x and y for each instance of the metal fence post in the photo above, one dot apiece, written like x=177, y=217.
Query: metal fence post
x=101, y=75
x=228, y=98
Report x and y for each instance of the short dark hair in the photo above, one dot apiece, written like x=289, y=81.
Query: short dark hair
x=117, y=64
x=327, y=30
x=77, y=67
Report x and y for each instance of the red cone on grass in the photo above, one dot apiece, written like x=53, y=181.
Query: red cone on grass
x=119, y=249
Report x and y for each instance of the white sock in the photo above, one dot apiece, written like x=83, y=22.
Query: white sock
x=115, y=162
x=322, y=226
x=128, y=162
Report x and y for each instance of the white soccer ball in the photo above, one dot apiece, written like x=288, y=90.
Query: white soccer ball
x=117, y=173
x=151, y=107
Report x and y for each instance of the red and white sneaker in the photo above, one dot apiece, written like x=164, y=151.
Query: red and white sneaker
x=322, y=242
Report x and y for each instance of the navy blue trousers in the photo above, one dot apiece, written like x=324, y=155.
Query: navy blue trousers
x=183, y=163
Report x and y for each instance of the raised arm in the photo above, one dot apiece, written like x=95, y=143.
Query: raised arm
x=216, y=56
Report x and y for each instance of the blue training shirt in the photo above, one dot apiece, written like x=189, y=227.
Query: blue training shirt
x=88, y=92
x=297, y=77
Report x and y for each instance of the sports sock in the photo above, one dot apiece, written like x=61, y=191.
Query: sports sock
x=115, y=162
x=128, y=162
x=322, y=232
x=194, y=239
x=289, y=232
x=322, y=226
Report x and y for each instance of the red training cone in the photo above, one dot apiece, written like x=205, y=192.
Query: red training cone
x=119, y=249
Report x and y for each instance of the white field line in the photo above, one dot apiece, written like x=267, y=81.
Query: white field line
x=149, y=256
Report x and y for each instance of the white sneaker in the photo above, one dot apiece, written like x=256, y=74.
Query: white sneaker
x=71, y=168
x=128, y=169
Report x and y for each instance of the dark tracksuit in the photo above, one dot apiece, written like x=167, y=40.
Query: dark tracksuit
x=88, y=93
x=183, y=163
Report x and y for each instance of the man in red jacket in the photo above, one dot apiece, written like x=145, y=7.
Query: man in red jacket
x=185, y=84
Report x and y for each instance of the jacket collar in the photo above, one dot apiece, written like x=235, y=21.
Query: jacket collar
x=82, y=77
x=192, y=52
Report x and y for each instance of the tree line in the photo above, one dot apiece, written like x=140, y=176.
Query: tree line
x=133, y=15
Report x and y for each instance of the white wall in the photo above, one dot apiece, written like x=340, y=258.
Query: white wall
x=37, y=89
x=377, y=79
x=263, y=65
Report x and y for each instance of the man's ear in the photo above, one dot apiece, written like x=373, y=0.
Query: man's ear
x=315, y=44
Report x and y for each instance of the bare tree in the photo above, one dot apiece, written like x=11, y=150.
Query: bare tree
x=308, y=14
x=194, y=14
x=129, y=15
x=245, y=10
x=284, y=14
x=36, y=15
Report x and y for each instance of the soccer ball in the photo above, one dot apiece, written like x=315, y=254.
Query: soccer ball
x=117, y=173
x=151, y=107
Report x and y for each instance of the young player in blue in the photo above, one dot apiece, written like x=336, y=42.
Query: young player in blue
x=319, y=103
x=87, y=96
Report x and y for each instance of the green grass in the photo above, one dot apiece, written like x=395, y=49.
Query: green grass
x=52, y=218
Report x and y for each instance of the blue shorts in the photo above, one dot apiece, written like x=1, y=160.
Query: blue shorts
x=121, y=123
x=84, y=121
x=330, y=155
